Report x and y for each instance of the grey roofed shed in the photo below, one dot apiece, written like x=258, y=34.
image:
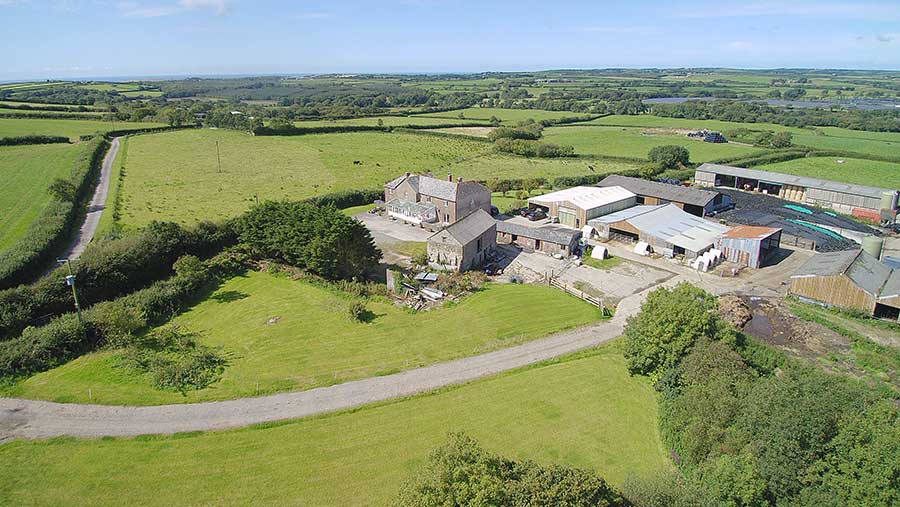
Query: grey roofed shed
x=550, y=233
x=469, y=227
x=673, y=225
x=624, y=214
x=674, y=193
x=863, y=269
x=788, y=179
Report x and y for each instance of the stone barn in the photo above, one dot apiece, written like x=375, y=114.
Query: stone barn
x=548, y=239
x=465, y=244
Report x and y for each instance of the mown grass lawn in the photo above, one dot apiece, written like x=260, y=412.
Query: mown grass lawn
x=174, y=175
x=26, y=172
x=851, y=170
x=634, y=143
x=585, y=411
x=283, y=335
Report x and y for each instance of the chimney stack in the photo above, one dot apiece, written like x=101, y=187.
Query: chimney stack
x=407, y=175
x=450, y=177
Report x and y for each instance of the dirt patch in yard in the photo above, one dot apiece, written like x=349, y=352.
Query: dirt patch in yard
x=773, y=323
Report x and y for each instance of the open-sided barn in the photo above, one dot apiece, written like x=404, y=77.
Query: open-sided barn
x=859, y=200
x=666, y=228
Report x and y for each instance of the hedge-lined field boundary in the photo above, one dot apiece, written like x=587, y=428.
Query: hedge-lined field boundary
x=28, y=258
x=32, y=139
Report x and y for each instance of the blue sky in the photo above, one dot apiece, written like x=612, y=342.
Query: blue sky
x=78, y=38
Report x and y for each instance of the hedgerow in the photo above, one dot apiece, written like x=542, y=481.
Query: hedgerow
x=32, y=139
x=29, y=257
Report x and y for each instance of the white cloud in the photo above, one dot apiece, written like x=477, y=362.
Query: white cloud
x=134, y=9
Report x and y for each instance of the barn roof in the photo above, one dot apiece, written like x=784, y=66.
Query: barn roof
x=469, y=227
x=674, y=193
x=585, y=197
x=751, y=232
x=864, y=270
x=550, y=233
x=788, y=179
x=675, y=226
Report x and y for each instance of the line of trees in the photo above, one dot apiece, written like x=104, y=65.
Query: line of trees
x=748, y=427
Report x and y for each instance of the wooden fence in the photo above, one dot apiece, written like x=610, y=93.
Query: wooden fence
x=594, y=300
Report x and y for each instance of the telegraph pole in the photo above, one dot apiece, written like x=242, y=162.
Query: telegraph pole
x=218, y=159
x=70, y=281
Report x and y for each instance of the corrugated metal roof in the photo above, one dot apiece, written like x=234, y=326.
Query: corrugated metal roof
x=585, y=197
x=673, y=225
x=674, y=193
x=469, y=227
x=787, y=179
x=868, y=274
x=550, y=233
x=624, y=214
x=892, y=286
x=751, y=232
x=827, y=264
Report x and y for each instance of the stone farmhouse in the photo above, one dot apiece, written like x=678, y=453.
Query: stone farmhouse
x=464, y=244
x=428, y=201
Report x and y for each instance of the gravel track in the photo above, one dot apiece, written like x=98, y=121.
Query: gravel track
x=43, y=419
x=96, y=207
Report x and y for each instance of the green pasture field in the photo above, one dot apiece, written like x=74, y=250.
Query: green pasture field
x=41, y=106
x=853, y=170
x=26, y=172
x=882, y=144
x=173, y=175
x=583, y=410
x=107, y=222
x=505, y=115
x=285, y=335
x=650, y=121
x=10, y=127
x=634, y=143
x=389, y=121
x=503, y=166
x=24, y=112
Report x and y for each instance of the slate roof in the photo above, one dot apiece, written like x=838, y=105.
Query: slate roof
x=550, y=233
x=469, y=227
x=431, y=186
x=673, y=193
x=585, y=197
x=787, y=179
x=864, y=270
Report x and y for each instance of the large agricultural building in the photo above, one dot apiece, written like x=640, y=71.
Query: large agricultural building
x=668, y=229
x=850, y=279
x=858, y=200
x=574, y=206
x=696, y=201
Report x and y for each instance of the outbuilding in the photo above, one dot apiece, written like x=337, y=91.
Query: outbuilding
x=573, y=207
x=872, y=203
x=696, y=201
x=667, y=229
x=849, y=279
x=464, y=244
x=549, y=239
x=748, y=245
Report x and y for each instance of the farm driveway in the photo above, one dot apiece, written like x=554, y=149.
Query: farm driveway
x=43, y=419
x=96, y=207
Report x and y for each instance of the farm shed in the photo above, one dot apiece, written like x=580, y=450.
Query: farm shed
x=548, y=239
x=666, y=228
x=575, y=206
x=858, y=200
x=696, y=201
x=464, y=244
x=850, y=279
x=749, y=245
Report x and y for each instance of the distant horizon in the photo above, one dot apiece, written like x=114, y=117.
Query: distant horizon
x=63, y=39
x=172, y=77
